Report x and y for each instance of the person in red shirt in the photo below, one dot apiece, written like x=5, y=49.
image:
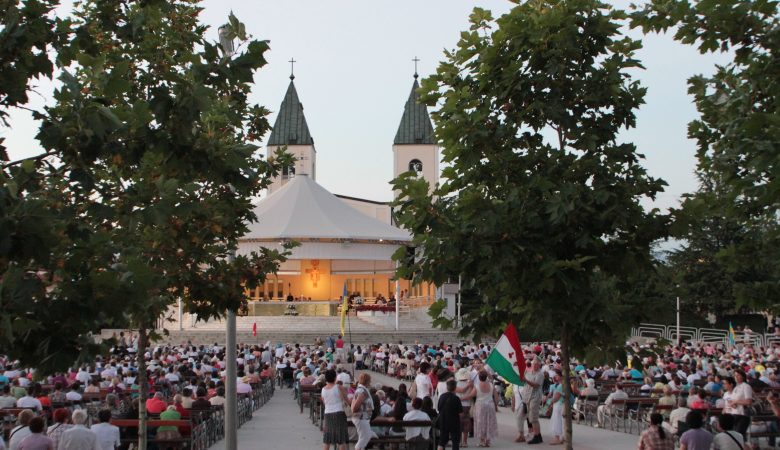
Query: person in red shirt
x=156, y=404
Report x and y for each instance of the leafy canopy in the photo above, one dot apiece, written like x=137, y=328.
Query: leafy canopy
x=737, y=134
x=149, y=187
x=539, y=208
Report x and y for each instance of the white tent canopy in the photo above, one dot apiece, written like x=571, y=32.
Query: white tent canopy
x=302, y=210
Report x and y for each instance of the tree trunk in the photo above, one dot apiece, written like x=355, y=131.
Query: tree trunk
x=142, y=386
x=567, y=425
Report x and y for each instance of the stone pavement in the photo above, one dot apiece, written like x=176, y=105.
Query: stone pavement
x=279, y=425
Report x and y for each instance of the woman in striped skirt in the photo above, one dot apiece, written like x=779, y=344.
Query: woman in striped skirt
x=335, y=423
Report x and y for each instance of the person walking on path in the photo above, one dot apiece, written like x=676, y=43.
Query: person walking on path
x=485, y=423
x=335, y=423
x=556, y=417
x=362, y=409
x=465, y=391
x=450, y=409
x=532, y=397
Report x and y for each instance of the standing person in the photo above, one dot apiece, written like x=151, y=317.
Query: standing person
x=695, y=438
x=340, y=349
x=335, y=419
x=362, y=409
x=485, y=423
x=466, y=392
x=556, y=417
x=738, y=400
x=450, y=409
x=423, y=381
x=655, y=437
x=78, y=437
x=532, y=397
x=36, y=440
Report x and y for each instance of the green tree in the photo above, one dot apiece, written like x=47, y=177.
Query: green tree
x=33, y=218
x=539, y=208
x=737, y=133
x=152, y=171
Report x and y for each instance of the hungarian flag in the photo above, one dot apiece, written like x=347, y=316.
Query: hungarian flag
x=507, y=357
x=254, y=329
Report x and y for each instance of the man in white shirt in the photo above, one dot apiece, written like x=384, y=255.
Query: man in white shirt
x=6, y=399
x=78, y=437
x=73, y=393
x=344, y=378
x=606, y=409
x=678, y=414
x=107, y=434
x=423, y=381
x=28, y=401
x=83, y=376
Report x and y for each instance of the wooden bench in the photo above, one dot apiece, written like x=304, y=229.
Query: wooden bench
x=191, y=437
x=401, y=439
x=766, y=419
x=305, y=394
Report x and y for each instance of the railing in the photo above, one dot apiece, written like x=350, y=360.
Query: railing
x=706, y=335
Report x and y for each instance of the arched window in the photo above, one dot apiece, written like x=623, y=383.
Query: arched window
x=416, y=166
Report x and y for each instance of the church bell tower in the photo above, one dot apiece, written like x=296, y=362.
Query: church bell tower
x=414, y=147
x=290, y=129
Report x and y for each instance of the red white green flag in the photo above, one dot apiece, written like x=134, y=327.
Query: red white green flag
x=507, y=357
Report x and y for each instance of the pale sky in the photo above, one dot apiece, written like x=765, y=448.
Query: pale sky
x=354, y=73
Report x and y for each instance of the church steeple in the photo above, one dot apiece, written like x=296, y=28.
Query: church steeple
x=415, y=127
x=290, y=127
x=414, y=147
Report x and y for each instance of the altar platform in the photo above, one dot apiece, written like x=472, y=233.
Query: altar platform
x=301, y=308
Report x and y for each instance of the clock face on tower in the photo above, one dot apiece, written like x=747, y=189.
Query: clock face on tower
x=416, y=166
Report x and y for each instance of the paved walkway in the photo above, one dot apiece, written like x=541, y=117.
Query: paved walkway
x=278, y=424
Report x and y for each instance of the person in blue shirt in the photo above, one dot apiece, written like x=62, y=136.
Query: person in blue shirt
x=3, y=379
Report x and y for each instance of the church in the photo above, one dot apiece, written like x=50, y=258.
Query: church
x=346, y=242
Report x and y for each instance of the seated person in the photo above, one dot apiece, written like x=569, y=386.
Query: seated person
x=417, y=437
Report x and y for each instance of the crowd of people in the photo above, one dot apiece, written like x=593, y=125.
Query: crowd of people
x=448, y=387
x=72, y=410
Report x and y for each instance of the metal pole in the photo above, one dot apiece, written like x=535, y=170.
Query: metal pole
x=678, y=320
x=231, y=397
x=181, y=317
x=459, y=302
x=397, y=296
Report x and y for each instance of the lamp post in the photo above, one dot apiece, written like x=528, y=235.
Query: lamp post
x=678, y=314
x=231, y=401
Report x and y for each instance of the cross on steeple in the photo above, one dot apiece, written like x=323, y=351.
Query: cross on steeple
x=416, y=60
x=292, y=62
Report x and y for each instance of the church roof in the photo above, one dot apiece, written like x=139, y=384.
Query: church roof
x=415, y=127
x=302, y=209
x=290, y=127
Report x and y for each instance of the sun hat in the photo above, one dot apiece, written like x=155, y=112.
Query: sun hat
x=462, y=374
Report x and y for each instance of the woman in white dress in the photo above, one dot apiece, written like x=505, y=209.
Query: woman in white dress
x=556, y=419
x=485, y=423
